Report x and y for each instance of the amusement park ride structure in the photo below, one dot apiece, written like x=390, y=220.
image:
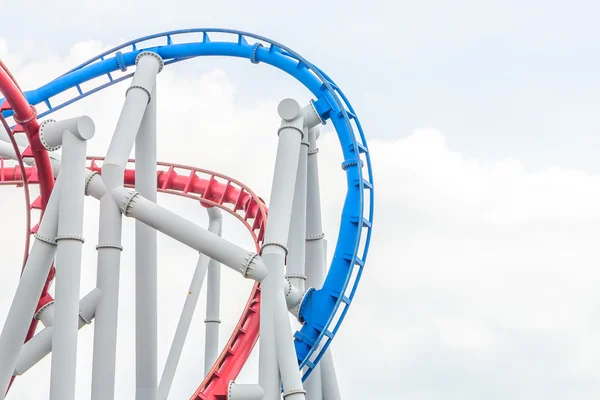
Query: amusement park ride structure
x=287, y=264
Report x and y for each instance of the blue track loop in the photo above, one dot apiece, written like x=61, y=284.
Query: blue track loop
x=322, y=310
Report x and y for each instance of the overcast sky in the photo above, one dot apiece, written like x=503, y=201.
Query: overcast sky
x=482, y=121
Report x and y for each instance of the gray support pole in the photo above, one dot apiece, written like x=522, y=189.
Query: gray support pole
x=105, y=326
x=276, y=343
x=314, y=384
x=321, y=384
x=28, y=291
x=249, y=264
x=331, y=389
x=185, y=320
x=68, y=254
x=315, y=255
x=146, y=302
x=109, y=247
x=213, y=299
x=296, y=243
x=41, y=344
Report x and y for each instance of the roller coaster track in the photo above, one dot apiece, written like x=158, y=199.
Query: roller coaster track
x=323, y=310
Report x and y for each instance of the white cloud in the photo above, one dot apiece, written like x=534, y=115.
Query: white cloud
x=480, y=281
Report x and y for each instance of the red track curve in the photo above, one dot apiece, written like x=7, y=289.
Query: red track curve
x=210, y=192
x=25, y=118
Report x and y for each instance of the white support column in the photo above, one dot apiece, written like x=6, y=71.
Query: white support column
x=314, y=384
x=185, y=320
x=331, y=389
x=315, y=254
x=109, y=247
x=276, y=344
x=72, y=134
x=28, y=291
x=146, y=302
x=321, y=384
x=274, y=250
x=213, y=299
x=41, y=344
x=296, y=244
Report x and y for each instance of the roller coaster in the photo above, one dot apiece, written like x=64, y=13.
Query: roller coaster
x=48, y=158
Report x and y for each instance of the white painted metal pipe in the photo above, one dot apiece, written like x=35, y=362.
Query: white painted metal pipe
x=139, y=95
x=133, y=205
x=321, y=383
x=28, y=291
x=293, y=296
x=213, y=299
x=238, y=391
x=7, y=151
x=46, y=314
x=185, y=321
x=268, y=369
x=286, y=353
x=314, y=254
x=314, y=384
x=41, y=344
x=146, y=289
x=331, y=390
x=297, y=237
x=68, y=255
x=21, y=140
x=94, y=185
x=109, y=248
x=105, y=326
x=274, y=348
x=52, y=132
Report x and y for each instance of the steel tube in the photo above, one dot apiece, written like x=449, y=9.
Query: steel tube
x=331, y=389
x=146, y=289
x=109, y=248
x=297, y=237
x=28, y=291
x=276, y=342
x=105, y=327
x=41, y=344
x=68, y=264
x=321, y=383
x=185, y=321
x=213, y=295
x=240, y=260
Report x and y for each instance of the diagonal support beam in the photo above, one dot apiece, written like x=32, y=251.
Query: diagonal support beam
x=109, y=247
x=185, y=319
x=28, y=292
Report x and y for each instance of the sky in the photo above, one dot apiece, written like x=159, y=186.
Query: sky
x=481, y=119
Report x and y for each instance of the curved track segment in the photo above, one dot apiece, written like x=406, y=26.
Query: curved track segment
x=229, y=195
x=25, y=117
x=324, y=309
